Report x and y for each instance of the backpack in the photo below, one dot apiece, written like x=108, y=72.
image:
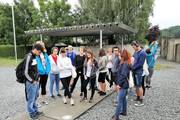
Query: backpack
x=20, y=69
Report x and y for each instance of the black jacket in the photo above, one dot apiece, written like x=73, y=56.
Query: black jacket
x=31, y=73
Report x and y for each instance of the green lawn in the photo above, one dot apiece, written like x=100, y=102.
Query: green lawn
x=8, y=62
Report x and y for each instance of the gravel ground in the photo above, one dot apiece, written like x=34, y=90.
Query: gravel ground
x=162, y=101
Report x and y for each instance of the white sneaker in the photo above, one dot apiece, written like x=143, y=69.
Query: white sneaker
x=72, y=102
x=45, y=102
x=64, y=100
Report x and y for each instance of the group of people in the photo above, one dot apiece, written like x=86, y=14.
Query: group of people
x=138, y=69
x=66, y=67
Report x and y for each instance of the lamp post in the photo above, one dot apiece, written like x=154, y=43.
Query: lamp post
x=14, y=33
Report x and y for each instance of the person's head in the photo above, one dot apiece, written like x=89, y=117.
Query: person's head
x=37, y=49
x=41, y=43
x=89, y=54
x=70, y=48
x=125, y=57
x=63, y=52
x=110, y=51
x=116, y=51
x=81, y=50
x=102, y=53
x=136, y=45
x=55, y=50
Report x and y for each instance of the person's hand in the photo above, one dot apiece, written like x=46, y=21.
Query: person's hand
x=118, y=87
x=34, y=82
x=85, y=77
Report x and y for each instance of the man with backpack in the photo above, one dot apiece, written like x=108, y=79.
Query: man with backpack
x=32, y=81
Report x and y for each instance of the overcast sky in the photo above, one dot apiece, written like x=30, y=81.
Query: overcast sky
x=166, y=12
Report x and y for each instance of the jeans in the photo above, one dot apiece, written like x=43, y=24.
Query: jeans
x=122, y=103
x=148, y=80
x=32, y=91
x=54, y=78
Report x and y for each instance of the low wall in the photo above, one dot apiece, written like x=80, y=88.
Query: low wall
x=170, y=49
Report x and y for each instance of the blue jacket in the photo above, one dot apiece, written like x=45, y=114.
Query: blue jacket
x=139, y=58
x=41, y=69
x=72, y=56
x=151, y=56
x=123, y=75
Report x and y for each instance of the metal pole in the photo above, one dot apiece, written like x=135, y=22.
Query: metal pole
x=122, y=42
x=14, y=32
x=41, y=37
x=100, y=39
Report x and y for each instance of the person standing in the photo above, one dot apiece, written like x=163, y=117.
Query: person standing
x=151, y=54
x=44, y=67
x=54, y=73
x=137, y=67
x=90, y=69
x=122, y=84
x=66, y=67
x=102, y=63
x=79, y=61
x=32, y=81
x=109, y=66
x=71, y=54
x=115, y=63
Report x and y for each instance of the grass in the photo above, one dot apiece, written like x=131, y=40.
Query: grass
x=8, y=62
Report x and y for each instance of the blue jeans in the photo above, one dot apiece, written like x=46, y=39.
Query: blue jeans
x=32, y=91
x=54, y=78
x=122, y=103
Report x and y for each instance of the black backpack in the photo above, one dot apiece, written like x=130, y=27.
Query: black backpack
x=20, y=71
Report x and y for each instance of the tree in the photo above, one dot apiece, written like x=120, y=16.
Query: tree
x=134, y=13
x=6, y=30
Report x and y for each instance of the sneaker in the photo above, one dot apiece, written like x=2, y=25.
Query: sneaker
x=136, y=99
x=53, y=96
x=139, y=104
x=45, y=102
x=72, y=102
x=90, y=100
x=39, y=113
x=114, y=118
x=64, y=100
x=59, y=95
x=102, y=93
x=81, y=94
x=123, y=113
x=83, y=99
x=99, y=92
x=35, y=117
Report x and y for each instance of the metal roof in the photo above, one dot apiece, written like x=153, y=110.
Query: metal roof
x=85, y=30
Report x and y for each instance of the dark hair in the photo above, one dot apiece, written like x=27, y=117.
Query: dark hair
x=115, y=48
x=102, y=53
x=135, y=43
x=89, y=51
x=38, y=47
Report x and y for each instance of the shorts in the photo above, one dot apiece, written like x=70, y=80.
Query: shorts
x=137, y=80
x=102, y=77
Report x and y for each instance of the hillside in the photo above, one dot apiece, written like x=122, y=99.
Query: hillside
x=171, y=32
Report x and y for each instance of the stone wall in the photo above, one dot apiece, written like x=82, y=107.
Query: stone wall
x=170, y=49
